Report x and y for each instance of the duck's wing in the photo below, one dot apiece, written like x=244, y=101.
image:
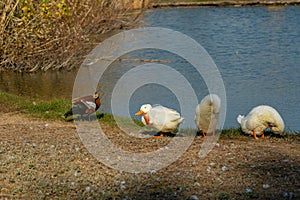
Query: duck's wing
x=270, y=117
x=256, y=120
x=163, y=114
x=85, y=98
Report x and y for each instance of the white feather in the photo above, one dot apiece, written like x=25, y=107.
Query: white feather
x=259, y=119
x=162, y=118
x=240, y=118
x=207, y=113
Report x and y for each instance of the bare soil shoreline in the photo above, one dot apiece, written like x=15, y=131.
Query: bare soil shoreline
x=226, y=3
x=46, y=159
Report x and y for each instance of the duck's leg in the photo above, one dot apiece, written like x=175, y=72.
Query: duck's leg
x=159, y=135
x=203, y=134
x=263, y=135
x=254, y=134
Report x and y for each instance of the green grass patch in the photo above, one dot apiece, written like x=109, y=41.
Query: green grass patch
x=53, y=109
x=232, y=132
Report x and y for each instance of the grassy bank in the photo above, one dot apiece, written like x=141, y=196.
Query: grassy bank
x=55, y=109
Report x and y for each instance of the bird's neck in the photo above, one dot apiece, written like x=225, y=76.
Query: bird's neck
x=147, y=120
x=98, y=103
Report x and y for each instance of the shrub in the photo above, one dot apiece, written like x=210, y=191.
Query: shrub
x=53, y=34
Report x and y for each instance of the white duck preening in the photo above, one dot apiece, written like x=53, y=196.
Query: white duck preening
x=163, y=119
x=259, y=119
x=207, y=114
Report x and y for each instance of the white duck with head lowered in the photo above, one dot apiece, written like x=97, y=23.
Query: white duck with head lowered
x=207, y=114
x=259, y=119
x=164, y=119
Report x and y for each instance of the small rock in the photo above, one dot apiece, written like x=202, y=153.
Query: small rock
x=88, y=188
x=46, y=125
x=285, y=194
x=122, y=185
x=194, y=197
x=149, y=184
x=224, y=168
x=212, y=164
x=266, y=186
x=248, y=190
x=217, y=145
x=208, y=169
x=196, y=184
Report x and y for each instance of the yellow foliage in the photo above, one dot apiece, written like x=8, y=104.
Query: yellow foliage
x=24, y=9
x=42, y=29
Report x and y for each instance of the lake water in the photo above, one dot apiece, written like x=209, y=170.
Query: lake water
x=256, y=50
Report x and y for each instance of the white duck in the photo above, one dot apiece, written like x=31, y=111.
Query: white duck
x=207, y=114
x=259, y=119
x=164, y=119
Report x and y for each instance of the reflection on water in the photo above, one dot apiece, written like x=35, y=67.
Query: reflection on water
x=42, y=85
x=256, y=50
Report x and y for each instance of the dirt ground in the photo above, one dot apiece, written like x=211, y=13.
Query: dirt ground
x=46, y=159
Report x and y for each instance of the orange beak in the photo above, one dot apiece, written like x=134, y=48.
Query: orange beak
x=139, y=113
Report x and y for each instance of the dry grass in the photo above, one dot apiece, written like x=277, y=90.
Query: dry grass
x=55, y=34
x=46, y=159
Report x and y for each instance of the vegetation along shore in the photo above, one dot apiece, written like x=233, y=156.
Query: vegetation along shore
x=42, y=35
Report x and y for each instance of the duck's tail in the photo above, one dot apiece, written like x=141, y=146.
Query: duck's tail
x=240, y=118
x=181, y=120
